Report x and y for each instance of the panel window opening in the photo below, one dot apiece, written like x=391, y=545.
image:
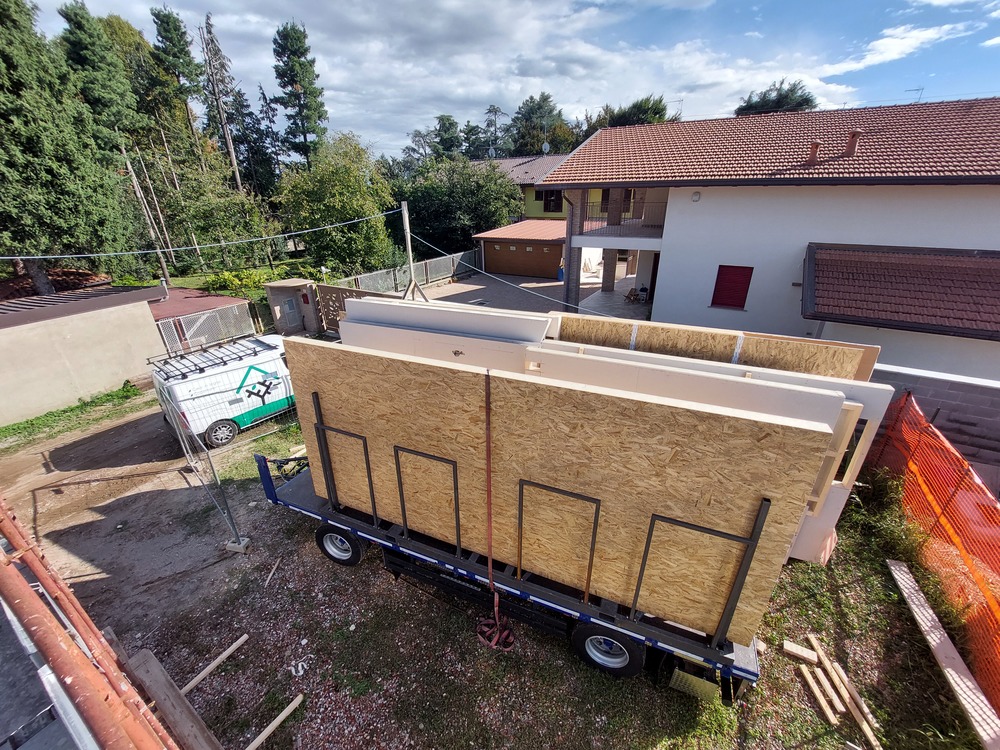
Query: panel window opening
x=732, y=284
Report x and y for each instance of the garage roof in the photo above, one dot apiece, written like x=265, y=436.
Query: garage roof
x=535, y=230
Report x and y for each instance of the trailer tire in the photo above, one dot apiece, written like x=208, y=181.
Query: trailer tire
x=340, y=546
x=608, y=650
x=221, y=433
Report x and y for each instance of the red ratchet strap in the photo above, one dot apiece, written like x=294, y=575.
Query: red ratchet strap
x=492, y=631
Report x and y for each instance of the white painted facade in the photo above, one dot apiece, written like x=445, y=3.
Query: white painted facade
x=769, y=228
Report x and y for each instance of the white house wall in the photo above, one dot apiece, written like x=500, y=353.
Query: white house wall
x=769, y=227
x=924, y=351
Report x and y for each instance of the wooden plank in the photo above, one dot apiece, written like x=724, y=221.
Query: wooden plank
x=218, y=660
x=800, y=652
x=831, y=693
x=598, y=331
x=859, y=718
x=185, y=724
x=856, y=696
x=278, y=720
x=686, y=341
x=812, y=357
x=970, y=696
x=831, y=717
x=701, y=464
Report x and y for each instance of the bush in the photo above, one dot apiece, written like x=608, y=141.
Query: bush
x=248, y=283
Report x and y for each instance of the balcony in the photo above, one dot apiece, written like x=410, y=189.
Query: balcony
x=637, y=220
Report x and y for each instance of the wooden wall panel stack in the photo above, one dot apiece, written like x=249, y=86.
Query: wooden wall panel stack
x=638, y=454
x=811, y=356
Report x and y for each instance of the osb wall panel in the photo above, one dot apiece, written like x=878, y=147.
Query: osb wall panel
x=638, y=455
x=810, y=357
x=830, y=358
x=423, y=407
x=596, y=331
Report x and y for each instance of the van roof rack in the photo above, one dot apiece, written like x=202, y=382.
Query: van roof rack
x=199, y=361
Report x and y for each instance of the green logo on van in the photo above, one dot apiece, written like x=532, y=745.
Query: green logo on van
x=260, y=389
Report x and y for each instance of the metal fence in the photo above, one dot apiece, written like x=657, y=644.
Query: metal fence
x=948, y=500
x=426, y=271
x=198, y=329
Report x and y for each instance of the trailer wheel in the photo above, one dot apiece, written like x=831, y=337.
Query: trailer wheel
x=608, y=650
x=340, y=546
x=221, y=433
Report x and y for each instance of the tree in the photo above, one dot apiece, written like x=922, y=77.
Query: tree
x=172, y=52
x=536, y=122
x=647, y=110
x=56, y=197
x=251, y=142
x=301, y=98
x=452, y=199
x=100, y=78
x=475, y=141
x=494, y=131
x=778, y=97
x=446, y=139
x=343, y=184
x=268, y=114
x=219, y=88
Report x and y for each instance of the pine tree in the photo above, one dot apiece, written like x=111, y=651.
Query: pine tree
x=253, y=149
x=100, y=77
x=55, y=196
x=219, y=90
x=301, y=99
x=172, y=52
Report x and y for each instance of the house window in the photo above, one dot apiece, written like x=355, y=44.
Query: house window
x=551, y=200
x=731, y=286
x=545, y=249
x=496, y=247
x=529, y=249
x=513, y=248
x=626, y=203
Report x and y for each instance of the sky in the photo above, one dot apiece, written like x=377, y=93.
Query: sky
x=389, y=67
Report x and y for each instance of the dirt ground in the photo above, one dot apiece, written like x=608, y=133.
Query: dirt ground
x=113, y=508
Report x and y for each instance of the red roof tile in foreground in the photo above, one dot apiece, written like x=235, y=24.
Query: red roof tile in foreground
x=955, y=292
x=939, y=142
x=538, y=230
x=188, y=301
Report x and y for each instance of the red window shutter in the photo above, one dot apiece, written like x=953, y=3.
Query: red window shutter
x=731, y=286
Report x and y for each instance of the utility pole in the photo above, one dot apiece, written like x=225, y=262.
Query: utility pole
x=413, y=287
x=217, y=96
x=150, y=226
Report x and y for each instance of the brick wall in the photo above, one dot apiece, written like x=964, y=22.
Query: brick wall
x=966, y=410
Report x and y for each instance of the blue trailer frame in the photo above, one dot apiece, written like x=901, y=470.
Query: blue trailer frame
x=732, y=666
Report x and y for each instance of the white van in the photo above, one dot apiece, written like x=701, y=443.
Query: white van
x=218, y=391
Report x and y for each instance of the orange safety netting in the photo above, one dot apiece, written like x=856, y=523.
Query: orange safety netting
x=945, y=497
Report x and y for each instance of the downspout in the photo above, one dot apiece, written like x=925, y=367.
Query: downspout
x=571, y=276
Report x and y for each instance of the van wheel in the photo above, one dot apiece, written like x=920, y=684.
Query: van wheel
x=608, y=650
x=340, y=546
x=221, y=433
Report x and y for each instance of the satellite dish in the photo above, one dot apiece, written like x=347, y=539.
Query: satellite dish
x=492, y=153
x=546, y=147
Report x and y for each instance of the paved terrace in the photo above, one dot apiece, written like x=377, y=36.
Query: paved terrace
x=487, y=291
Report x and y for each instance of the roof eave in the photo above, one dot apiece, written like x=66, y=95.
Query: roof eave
x=778, y=182
x=899, y=325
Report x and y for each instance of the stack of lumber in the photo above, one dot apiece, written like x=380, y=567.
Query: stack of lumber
x=831, y=688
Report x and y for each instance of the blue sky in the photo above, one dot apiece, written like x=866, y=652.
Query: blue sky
x=390, y=66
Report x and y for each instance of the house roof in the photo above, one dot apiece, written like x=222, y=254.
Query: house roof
x=188, y=301
x=528, y=170
x=26, y=310
x=536, y=230
x=939, y=142
x=946, y=291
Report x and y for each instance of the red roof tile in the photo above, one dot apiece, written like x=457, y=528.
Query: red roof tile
x=539, y=230
x=953, y=292
x=957, y=141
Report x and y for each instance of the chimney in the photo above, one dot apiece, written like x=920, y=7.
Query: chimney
x=813, y=159
x=852, y=141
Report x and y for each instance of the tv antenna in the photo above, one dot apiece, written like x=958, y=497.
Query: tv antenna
x=919, y=90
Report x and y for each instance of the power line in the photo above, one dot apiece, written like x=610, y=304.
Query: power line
x=202, y=247
x=502, y=281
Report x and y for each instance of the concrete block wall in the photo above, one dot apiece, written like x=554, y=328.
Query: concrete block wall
x=965, y=410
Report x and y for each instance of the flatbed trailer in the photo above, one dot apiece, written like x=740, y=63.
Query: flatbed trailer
x=610, y=636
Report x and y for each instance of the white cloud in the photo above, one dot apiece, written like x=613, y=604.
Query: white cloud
x=754, y=35
x=897, y=43
x=946, y=3
x=992, y=42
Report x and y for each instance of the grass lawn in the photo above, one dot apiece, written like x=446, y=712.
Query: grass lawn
x=107, y=406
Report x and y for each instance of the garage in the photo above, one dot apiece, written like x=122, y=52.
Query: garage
x=528, y=248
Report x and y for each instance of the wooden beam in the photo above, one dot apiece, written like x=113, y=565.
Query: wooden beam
x=800, y=652
x=186, y=725
x=262, y=737
x=818, y=695
x=838, y=704
x=856, y=696
x=970, y=696
x=216, y=662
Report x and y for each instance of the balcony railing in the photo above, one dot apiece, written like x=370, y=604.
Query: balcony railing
x=636, y=219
